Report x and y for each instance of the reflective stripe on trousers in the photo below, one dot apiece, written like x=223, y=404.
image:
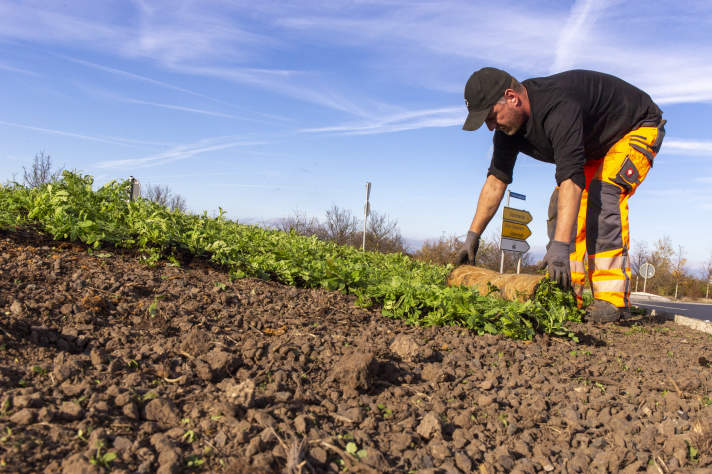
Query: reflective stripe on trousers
x=602, y=224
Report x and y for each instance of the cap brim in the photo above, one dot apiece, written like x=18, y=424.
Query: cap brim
x=475, y=119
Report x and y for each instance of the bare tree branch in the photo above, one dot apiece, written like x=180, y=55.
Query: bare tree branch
x=41, y=171
x=164, y=196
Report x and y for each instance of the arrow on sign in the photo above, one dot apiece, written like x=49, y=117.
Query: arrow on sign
x=517, y=215
x=514, y=245
x=514, y=230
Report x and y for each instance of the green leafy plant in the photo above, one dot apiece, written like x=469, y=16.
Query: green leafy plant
x=194, y=461
x=149, y=396
x=102, y=460
x=401, y=287
x=352, y=449
x=693, y=453
x=5, y=407
x=190, y=436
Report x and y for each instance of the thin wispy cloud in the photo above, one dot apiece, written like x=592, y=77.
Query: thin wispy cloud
x=283, y=82
x=178, y=107
x=574, y=32
x=7, y=67
x=80, y=136
x=445, y=117
x=181, y=152
x=137, y=77
x=227, y=40
x=688, y=147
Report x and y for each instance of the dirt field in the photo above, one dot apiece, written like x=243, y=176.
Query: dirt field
x=108, y=364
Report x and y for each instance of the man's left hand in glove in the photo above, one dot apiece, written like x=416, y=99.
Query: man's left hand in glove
x=557, y=264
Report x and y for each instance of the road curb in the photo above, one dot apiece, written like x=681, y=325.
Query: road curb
x=696, y=324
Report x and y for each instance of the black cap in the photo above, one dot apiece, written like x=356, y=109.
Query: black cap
x=483, y=89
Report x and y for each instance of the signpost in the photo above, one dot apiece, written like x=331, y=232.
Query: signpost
x=366, y=212
x=517, y=215
x=514, y=245
x=135, y=192
x=514, y=230
x=646, y=271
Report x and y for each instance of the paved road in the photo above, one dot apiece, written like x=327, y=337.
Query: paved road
x=692, y=310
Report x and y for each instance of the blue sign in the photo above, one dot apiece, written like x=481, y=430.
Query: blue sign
x=523, y=197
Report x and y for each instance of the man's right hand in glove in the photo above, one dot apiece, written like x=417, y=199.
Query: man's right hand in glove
x=466, y=255
x=557, y=263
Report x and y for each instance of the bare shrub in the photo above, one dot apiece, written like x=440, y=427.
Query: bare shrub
x=441, y=251
x=164, y=196
x=340, y=226
x=444, y=251
x=40, y=173
x=300, y=223
x=382, y=234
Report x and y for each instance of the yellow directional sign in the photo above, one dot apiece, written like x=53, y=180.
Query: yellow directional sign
x=515, y=231
x=517, y=215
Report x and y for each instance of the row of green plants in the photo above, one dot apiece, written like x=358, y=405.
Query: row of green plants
x=71, y=209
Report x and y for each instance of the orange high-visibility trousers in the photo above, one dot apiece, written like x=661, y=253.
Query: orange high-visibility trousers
x=602, y=232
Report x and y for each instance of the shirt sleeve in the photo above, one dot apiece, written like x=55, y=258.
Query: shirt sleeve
x=503, y=157
x=564, y=128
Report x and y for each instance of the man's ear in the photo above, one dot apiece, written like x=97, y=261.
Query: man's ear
x=512, y=97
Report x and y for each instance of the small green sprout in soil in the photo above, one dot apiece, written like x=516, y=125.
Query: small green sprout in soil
x=195, y=461
x=353, y=450
x=189, y=436
x=102, y=460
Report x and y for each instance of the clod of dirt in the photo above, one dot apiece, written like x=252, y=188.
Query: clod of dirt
x=98, y=438
x=463, y=462
x=70, y=411
x=301, y=424
x=216, y=365
x=16, y=308
x=169, y=456
x=405, y=347
x=98, y=358
x=79, y=464
x=196, y=342
x=130, y=410
x=25, y=416
x=242, y=394
x=162, y=411
x=434, y=373
x=355, y=371
x=429, y=426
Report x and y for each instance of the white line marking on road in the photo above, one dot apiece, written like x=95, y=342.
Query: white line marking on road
x=664, y=307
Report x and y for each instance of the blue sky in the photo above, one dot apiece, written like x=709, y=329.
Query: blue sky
x=266, y=108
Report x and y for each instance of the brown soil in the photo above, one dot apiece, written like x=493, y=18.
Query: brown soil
x=178, y=369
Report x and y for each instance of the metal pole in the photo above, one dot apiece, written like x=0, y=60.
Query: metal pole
x=366, y=212
x=645, y=281
x=501, y=259
x=707, y=295
x=519, y=263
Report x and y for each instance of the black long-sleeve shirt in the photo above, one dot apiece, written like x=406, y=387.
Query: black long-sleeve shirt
x=575, y=116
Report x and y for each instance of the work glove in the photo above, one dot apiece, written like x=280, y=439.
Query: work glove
x=556, y=262
x=466, y=255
